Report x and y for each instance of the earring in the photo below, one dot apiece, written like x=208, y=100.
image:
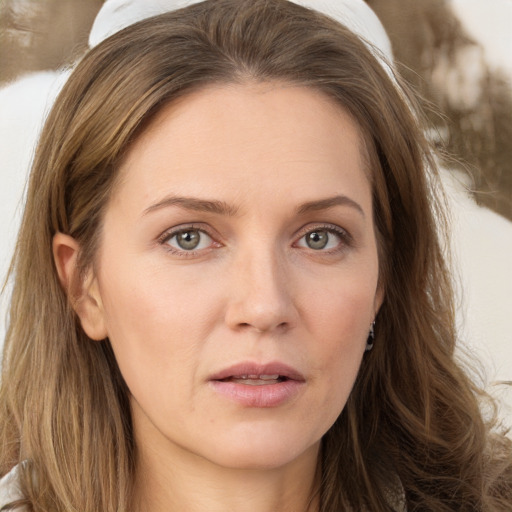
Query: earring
x=371, y=337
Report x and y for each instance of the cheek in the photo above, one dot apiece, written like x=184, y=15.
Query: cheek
x=157, y=321
x=340, y=313
x=145, y=323
x=341, y=346
x=339, y=319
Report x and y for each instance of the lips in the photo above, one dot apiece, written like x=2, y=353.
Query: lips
x=251, y=371
x=258, y=385
x=256, y=380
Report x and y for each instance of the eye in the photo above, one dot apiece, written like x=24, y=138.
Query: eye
x=190, y=239
x=324, y=239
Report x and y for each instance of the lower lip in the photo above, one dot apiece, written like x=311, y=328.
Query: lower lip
x=267, y=395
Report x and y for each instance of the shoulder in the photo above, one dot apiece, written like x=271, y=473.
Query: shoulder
x=9, y=487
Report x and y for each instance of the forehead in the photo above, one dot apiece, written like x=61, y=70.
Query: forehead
x=230, y=137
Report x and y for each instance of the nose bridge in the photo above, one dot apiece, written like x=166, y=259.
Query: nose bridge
x=260, y=295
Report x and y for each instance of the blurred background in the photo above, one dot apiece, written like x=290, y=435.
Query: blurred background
x=456, y=53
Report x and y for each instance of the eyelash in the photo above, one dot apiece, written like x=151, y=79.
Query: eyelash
x=346, y=240
x=168, y=235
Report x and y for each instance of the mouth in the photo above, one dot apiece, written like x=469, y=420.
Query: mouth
x=256, y=380
x=258, y=386
x=255, y=374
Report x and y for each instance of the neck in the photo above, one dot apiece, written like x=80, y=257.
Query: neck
x=172, y=481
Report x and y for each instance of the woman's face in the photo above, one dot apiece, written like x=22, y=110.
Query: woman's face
x=237, y=275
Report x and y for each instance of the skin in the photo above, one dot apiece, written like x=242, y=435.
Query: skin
x=255, y=289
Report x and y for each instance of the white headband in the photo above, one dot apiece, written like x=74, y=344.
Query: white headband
x=354, y=14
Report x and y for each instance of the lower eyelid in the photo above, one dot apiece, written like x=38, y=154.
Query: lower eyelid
x=173, y=232
x=341, y=233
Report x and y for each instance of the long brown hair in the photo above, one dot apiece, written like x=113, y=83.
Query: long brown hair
x=411, y=431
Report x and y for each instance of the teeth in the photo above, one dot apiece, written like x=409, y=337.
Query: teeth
x=256, y=380
x=257, y=377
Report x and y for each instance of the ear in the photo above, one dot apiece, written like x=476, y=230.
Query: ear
x=379, y=299
x=83, y=291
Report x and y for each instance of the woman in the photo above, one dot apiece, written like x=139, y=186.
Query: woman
x=229, y=290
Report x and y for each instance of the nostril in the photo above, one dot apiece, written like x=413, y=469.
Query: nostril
x=282, y=326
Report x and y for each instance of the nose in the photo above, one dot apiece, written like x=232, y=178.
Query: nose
x=261, y=295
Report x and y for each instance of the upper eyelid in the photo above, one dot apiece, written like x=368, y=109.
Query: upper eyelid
x=170, y=232
x=327, y=226
x=345, y=238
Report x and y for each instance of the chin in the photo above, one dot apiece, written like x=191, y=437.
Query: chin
x=262, y=451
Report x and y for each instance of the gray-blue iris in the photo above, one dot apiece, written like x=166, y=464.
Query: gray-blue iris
x=317, y=239
x=188, y=240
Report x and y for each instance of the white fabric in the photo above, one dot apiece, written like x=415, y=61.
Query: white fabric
x=9, y=489
x=354, y=14
x=24, y=106
x=359, y=18
x=115, y=15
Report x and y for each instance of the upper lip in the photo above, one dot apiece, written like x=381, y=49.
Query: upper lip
x=253, y=369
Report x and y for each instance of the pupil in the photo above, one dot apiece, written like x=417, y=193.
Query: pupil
x=317, y=239
x=188, y=239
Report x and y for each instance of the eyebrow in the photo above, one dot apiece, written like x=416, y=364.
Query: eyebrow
x=223, y=208
x=196, y=204
x=330, y=202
